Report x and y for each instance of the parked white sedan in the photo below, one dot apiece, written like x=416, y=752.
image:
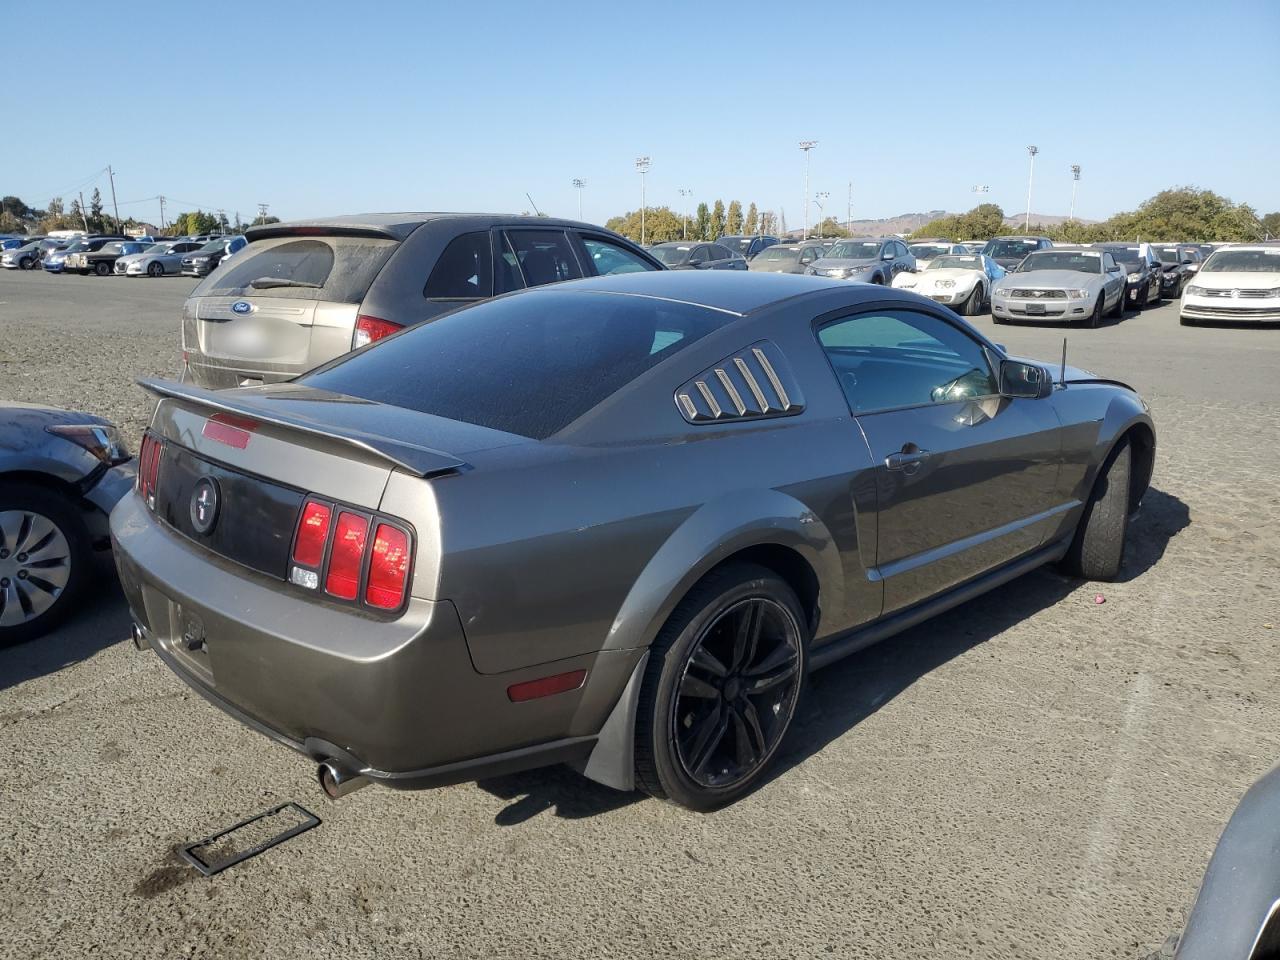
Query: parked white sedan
x=962, y=281
x=1240, y=282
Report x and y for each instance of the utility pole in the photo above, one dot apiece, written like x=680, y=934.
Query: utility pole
x=806, y=146
x=579, y=184
x=685, y=195
x=1031, y=176
x=642, y=164
x=83, y=216
x=262, y=211
x=1075, y=182
x=112, y=177
x=848, y=212
x=161, y=199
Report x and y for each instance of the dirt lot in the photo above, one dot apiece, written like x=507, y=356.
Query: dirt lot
x=1032, y=775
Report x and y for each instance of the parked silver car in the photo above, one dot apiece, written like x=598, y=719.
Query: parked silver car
x=786, y=258
x=873, y=261
x=303, y=293
x=158, y=260
x=1072, y=284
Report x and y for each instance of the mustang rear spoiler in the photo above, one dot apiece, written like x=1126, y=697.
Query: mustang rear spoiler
x=418, y=460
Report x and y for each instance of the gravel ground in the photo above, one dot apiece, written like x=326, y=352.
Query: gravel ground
x=1031, y=775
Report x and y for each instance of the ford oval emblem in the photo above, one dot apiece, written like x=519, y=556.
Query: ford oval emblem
x=241, y=306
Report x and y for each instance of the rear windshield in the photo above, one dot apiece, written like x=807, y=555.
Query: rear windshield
x=1011, y=248
x=338, y=269
x=671, y=255
x=529, y=364
x=778, y=253
x=739, y=244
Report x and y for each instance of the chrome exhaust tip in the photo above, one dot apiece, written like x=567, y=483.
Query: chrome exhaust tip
x=337, y=781
x=140, y=641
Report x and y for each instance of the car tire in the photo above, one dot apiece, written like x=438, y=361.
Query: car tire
x=1094, y=319
x=1117, y=312
x=702, y=740
x=973, y=305
x=1097, y=551
x=102, y=268
x=1141, y=303
x=35, y=515
x=155, y=269
x=26, y=263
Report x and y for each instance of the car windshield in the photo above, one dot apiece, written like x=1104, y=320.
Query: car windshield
x=672, y=255
x=77, y=247
x=158, y=248
x=1078, y=261
x=212, y=246
x=737, y=244
x=1130, y=255
x=956, y=263
x=854, y=250
x=1168, y=254
x=778, y=253
x=1266, y=260
x=927, y=251
x=478, y=364
x=1011, y=248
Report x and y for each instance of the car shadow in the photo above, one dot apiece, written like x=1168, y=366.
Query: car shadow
x=844, y=694
x=101, y=620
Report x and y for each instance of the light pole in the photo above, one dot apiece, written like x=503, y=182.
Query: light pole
x=848, y=212
x=685, y=195
x=642, y=164
x=1075, y=182
x=817, y=200
x=1031, y=176
x=579, y=184
x=806, y=146
x=980, y=188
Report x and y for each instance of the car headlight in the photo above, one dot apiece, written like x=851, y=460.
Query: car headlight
x=944, y=284
x=1134, y=277
x=100, y=439
x=839, y=272
x=1003, y=291
x=1196, y=291
x=1077, y=294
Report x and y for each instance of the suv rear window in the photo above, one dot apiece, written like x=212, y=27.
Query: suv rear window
x=528, y=365
x=338, y=269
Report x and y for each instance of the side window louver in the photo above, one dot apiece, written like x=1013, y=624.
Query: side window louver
x=752, y=384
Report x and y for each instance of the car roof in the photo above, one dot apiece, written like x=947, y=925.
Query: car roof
x=398, y=226
x=727, y=291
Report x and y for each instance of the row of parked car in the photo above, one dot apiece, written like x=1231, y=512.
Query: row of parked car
x=104, y=254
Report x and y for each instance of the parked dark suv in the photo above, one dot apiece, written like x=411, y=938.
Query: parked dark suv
x=1011, y=251
x=747, y=246
x=305, y=292
x=1143, y=272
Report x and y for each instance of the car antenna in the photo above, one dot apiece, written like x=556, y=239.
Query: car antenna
x=1062, y=375
x=534, y=205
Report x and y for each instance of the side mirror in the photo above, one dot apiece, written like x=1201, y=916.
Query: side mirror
x=1026, y=380
x=888, y=256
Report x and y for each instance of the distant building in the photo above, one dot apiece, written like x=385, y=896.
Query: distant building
x=142, y=230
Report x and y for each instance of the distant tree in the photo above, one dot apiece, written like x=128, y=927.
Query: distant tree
x=262, y=221
x=75, y=213
x=223, y=223
x=981, y=223
x=239, y=223
x=660, y=225
x=703, y=223
x=11, y=224
x=16, y=208
x=1271, y=224
x=830, y=227
x=55, y=208
x=752, y=223
x=95, y=210
x=768, y=223
x=734, y=223
x=717, y=221
x=193, y=223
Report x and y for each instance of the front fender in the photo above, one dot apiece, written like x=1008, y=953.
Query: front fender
x=717, y=530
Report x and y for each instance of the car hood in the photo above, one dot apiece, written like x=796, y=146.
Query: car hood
x=22, y=425
x=1252, y=280
x=958, y=274
x=1053, y=279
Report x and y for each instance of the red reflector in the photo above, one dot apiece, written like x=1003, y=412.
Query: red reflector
x=546, y=686
x=371, y=329
x=346, y=557
x=388, y=568
x=313, y=531
x=231, y=430
x=149, y=468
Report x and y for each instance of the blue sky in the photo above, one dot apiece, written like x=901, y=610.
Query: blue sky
x=317, y=107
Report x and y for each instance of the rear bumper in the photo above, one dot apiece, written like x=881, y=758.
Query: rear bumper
x=398, y=701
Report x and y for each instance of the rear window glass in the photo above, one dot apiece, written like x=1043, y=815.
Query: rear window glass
x=529, y=365
x=464, y=271
x=338, y=269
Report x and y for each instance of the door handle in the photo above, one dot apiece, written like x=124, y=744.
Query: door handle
x=906, y=461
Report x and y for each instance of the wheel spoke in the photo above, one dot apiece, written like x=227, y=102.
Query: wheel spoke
x=10, y=528
x=781, y=674
x=747, y=635
x=40, y=533
x=692, y=686
x=708, y=739
x=705, y=660
x=37, y=596
x=752, y=719
x=744, y=751
x=11, y=611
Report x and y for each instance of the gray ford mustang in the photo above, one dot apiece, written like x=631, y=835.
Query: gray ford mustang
x=611, y=523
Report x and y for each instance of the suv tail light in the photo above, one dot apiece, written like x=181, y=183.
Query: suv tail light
x=149, y=468
x=370, y=329
x=358, y=558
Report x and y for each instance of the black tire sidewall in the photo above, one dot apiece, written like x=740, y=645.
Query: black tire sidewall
x=155, y=270
x=656, y=749
x=66, y=515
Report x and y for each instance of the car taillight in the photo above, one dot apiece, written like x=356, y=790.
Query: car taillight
x=149, y=468
x=347, y=556
x=388, y=568
x=313, y=532
x=371, y=329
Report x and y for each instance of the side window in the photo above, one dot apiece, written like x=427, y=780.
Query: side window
x=1108, y=263
x=901, y=358
x=702, y=253
x=608, y=258
x=464, y=270
x=544, y=256
x=719, y=252
x=808, y=255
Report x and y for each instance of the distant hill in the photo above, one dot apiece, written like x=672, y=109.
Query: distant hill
x=905, y=223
